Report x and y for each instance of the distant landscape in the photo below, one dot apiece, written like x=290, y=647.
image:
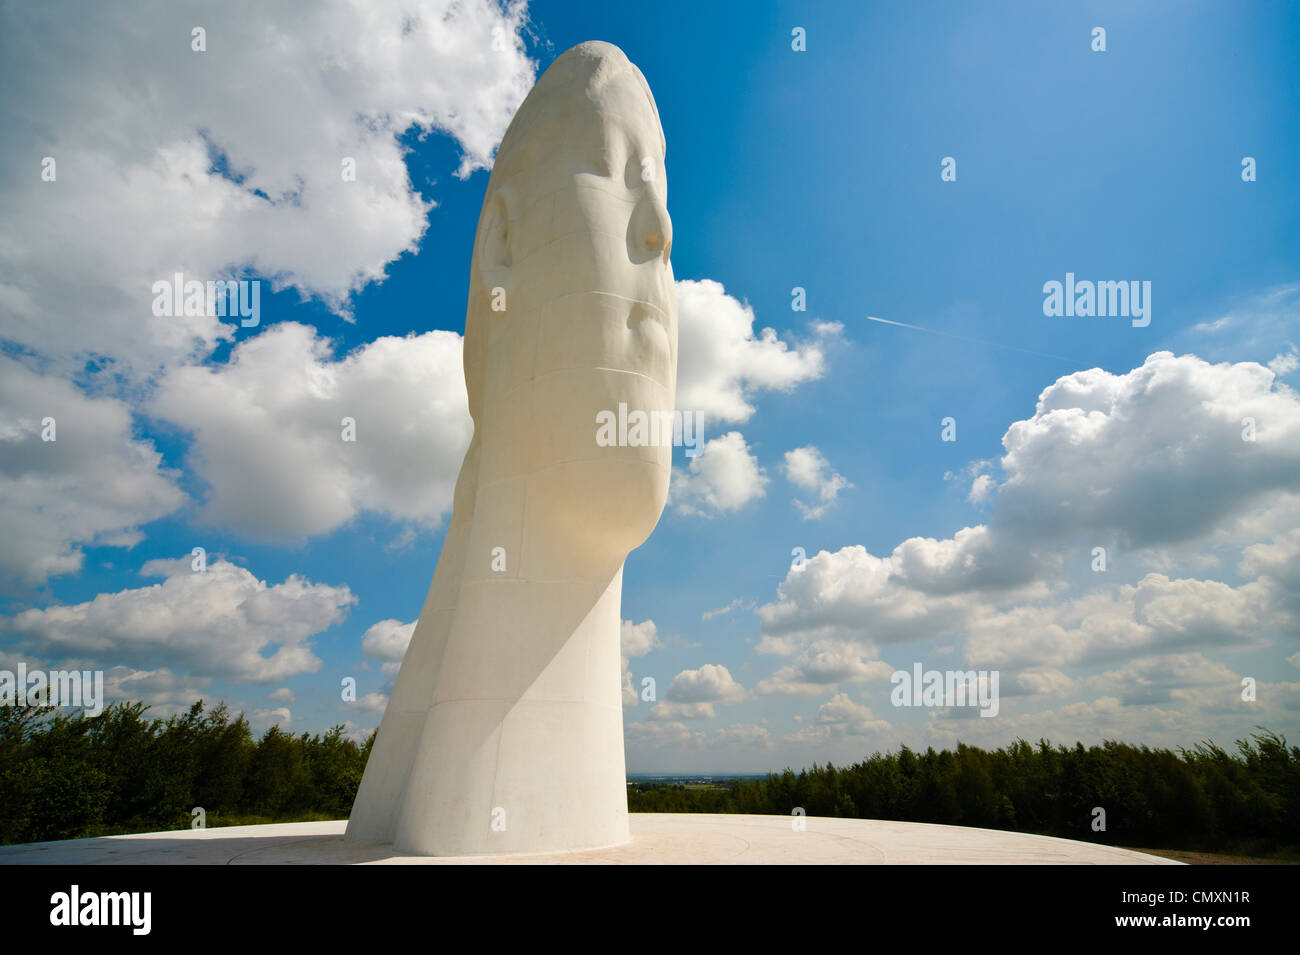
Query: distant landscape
x=70, y=776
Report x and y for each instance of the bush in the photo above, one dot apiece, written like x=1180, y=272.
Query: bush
x=63, y=777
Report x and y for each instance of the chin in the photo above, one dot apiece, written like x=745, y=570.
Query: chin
x=610, y=503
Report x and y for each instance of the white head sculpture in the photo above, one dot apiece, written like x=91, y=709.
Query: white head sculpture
x=504, y=732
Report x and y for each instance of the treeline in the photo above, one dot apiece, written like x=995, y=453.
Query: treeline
x=67, y=776
x=64, y=777
x=1202, y=798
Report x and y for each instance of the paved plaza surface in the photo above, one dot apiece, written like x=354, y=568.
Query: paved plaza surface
x=657, y=839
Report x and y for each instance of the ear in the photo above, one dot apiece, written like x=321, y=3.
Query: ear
x=495, y=251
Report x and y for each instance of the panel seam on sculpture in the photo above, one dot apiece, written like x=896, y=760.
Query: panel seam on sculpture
x=513, y=702
x=569, y=185
x=629, y=195
x=556, y=464
x=620, y=371
x=505, y=395
x=476, y=581
x=586, y=656
x=511, y=220
x=537, y=376
x=568, y=235
x=623, y=298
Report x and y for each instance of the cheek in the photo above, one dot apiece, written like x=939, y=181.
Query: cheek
x=589, y=415
x=572, y=264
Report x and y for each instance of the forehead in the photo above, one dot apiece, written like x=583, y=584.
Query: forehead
x=621, y=129
x=618, y=119
x=628, y=114
x=579, y=130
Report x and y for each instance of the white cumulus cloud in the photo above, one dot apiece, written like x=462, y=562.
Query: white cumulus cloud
x=635, y=640
x=824, y=664
x=1152, y=465
x=722, y=478
x=223, y=623
x=227, y=160
x=268, y=433
x=722, y=363
x=95, y=483
x=387, y=639
x=711, y=683
x=808, y=468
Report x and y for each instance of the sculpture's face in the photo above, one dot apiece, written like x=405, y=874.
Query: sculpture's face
x=579, y=243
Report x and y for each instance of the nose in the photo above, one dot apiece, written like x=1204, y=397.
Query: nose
x=650, y=232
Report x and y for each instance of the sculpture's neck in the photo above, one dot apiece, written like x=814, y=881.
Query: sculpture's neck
x=538, y=610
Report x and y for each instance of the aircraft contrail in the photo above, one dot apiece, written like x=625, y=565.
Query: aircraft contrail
x=981, y=341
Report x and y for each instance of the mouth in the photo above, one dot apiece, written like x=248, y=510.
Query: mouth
x=647, y=311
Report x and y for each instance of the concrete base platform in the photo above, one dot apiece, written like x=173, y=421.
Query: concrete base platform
x=657, y=839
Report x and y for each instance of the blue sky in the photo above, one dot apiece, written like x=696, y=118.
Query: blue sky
x=818, y=169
